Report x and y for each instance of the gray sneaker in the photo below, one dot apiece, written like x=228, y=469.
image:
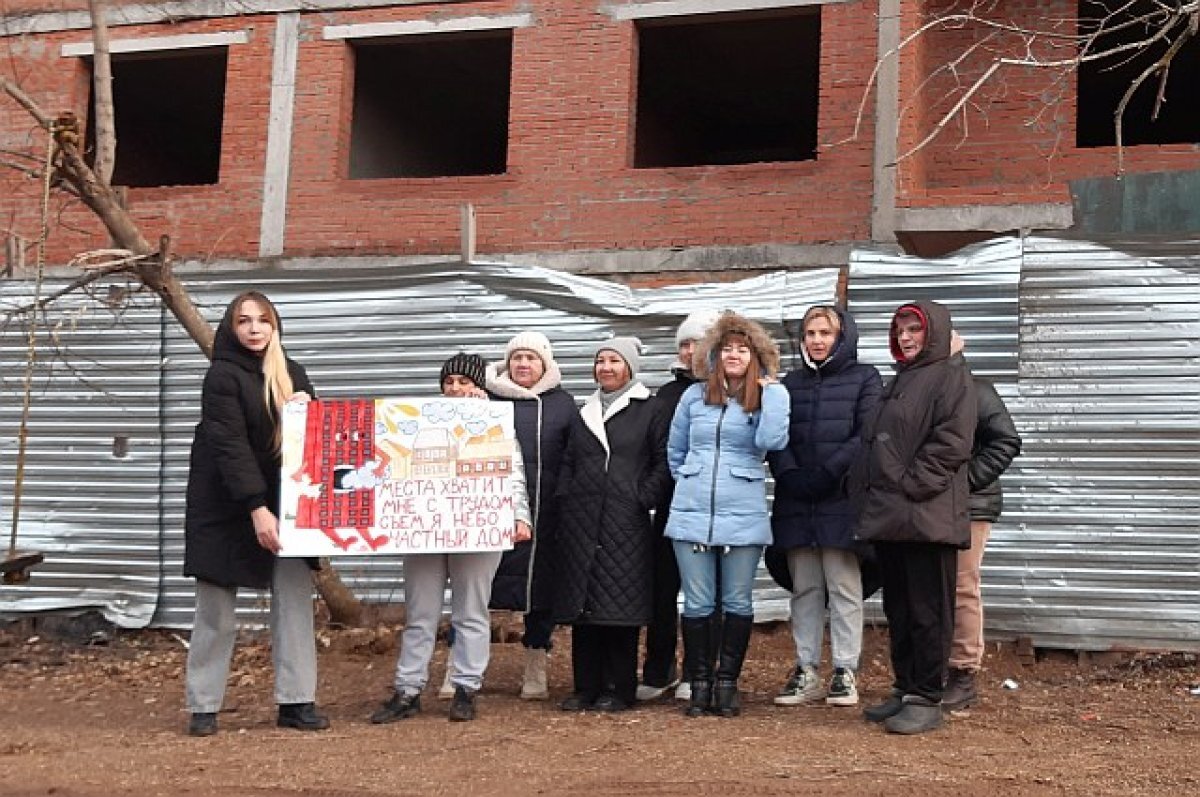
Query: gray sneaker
x=918, y=715
x=802, y=687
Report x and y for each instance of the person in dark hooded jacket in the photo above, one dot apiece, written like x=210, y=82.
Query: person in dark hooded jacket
x=231, y=525
x=832, y=396
x=995, y=445
x=910, y=483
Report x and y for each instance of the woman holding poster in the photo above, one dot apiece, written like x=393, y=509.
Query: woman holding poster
x=470, y=577
x=232, y=526
x=614, y=472
x=543, y=414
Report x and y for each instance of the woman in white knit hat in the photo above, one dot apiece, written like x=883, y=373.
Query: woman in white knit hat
x=543, y=414
x=614, y=473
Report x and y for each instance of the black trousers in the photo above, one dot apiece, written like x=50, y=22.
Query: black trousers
x=604, y=661
x=659, y=669
x=918, y=598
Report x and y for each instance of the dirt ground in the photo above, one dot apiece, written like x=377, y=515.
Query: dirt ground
x=82, y=720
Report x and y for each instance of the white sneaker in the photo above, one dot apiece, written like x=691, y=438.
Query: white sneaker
x=801, y=687
x=646, y=692
x=446, y=690
x=684, y=691
x=842, y=689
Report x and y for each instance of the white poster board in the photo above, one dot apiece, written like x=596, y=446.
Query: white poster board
x=396, y=476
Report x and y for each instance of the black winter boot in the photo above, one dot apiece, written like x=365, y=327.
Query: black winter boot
x=735, y=638
x=696, y=634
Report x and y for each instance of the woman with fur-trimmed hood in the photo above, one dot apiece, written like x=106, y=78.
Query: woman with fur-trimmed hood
x=720, y=434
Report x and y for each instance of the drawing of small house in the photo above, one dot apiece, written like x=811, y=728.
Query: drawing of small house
x=481, y=456
x=433, y=454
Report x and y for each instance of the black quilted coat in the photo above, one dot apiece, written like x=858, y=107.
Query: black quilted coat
x=614, y=472
x=234, y=468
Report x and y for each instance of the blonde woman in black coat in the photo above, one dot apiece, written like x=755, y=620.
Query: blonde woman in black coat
x=232, y=526
x=614, y=471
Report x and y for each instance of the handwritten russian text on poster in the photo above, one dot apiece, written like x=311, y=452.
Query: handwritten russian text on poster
x=390, y=476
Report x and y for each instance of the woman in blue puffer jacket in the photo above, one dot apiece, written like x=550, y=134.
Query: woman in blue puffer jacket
x=722, y=430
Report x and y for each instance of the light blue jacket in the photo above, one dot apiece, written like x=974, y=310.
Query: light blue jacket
x=716, y=455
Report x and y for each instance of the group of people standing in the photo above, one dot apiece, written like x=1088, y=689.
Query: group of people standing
x=623, y=502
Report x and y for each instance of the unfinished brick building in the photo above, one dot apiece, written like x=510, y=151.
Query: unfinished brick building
x=604, y=136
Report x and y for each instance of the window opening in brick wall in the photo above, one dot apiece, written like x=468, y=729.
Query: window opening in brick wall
x=726, y=89
x=169, y=110
x=431, y=105
x=1103, y=82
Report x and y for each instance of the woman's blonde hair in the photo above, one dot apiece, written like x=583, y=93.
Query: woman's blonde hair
x=277, y=382
x=822, y=311
x=717, y=389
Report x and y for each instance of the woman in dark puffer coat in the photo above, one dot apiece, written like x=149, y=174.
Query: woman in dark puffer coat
x=614, y=472
x=812, y=520
x=231, y=533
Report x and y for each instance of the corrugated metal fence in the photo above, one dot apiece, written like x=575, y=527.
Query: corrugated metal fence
x=1095, y=349
x=1099, y=544
x=111, y=523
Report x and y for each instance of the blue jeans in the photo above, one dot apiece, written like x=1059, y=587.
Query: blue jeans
x=698, y=574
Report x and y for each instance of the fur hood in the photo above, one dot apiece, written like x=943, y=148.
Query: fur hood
x=761, y=344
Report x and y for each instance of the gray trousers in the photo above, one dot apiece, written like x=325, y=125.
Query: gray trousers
x=470, y=590
x=293, y=646
x=818, y=575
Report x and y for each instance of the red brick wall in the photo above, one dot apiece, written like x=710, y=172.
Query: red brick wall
x=569, y=184
x=203, y=221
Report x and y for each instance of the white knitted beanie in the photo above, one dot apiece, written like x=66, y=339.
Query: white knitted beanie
x=532, y=341
x=696, y=325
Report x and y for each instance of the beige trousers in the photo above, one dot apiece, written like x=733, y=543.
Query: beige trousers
x=966, y=651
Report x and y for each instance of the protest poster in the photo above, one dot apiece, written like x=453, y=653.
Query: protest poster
x=396, y=476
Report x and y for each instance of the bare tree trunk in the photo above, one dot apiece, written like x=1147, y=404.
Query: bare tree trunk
x=345, y=608
x=105, y=121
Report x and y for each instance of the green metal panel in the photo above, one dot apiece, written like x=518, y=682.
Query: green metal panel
x=1157, y=202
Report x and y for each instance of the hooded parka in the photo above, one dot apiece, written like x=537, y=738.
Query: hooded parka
x=716, y=451
x=542, y=416
x=234, y=467
x=614, y=472
x=831, y=403
x=910, y=480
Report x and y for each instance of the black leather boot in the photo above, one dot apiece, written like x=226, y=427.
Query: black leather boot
x=735, y=638
x=696, y=631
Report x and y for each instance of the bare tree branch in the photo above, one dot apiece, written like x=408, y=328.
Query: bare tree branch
x=14, y=91
x=1053, y=44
